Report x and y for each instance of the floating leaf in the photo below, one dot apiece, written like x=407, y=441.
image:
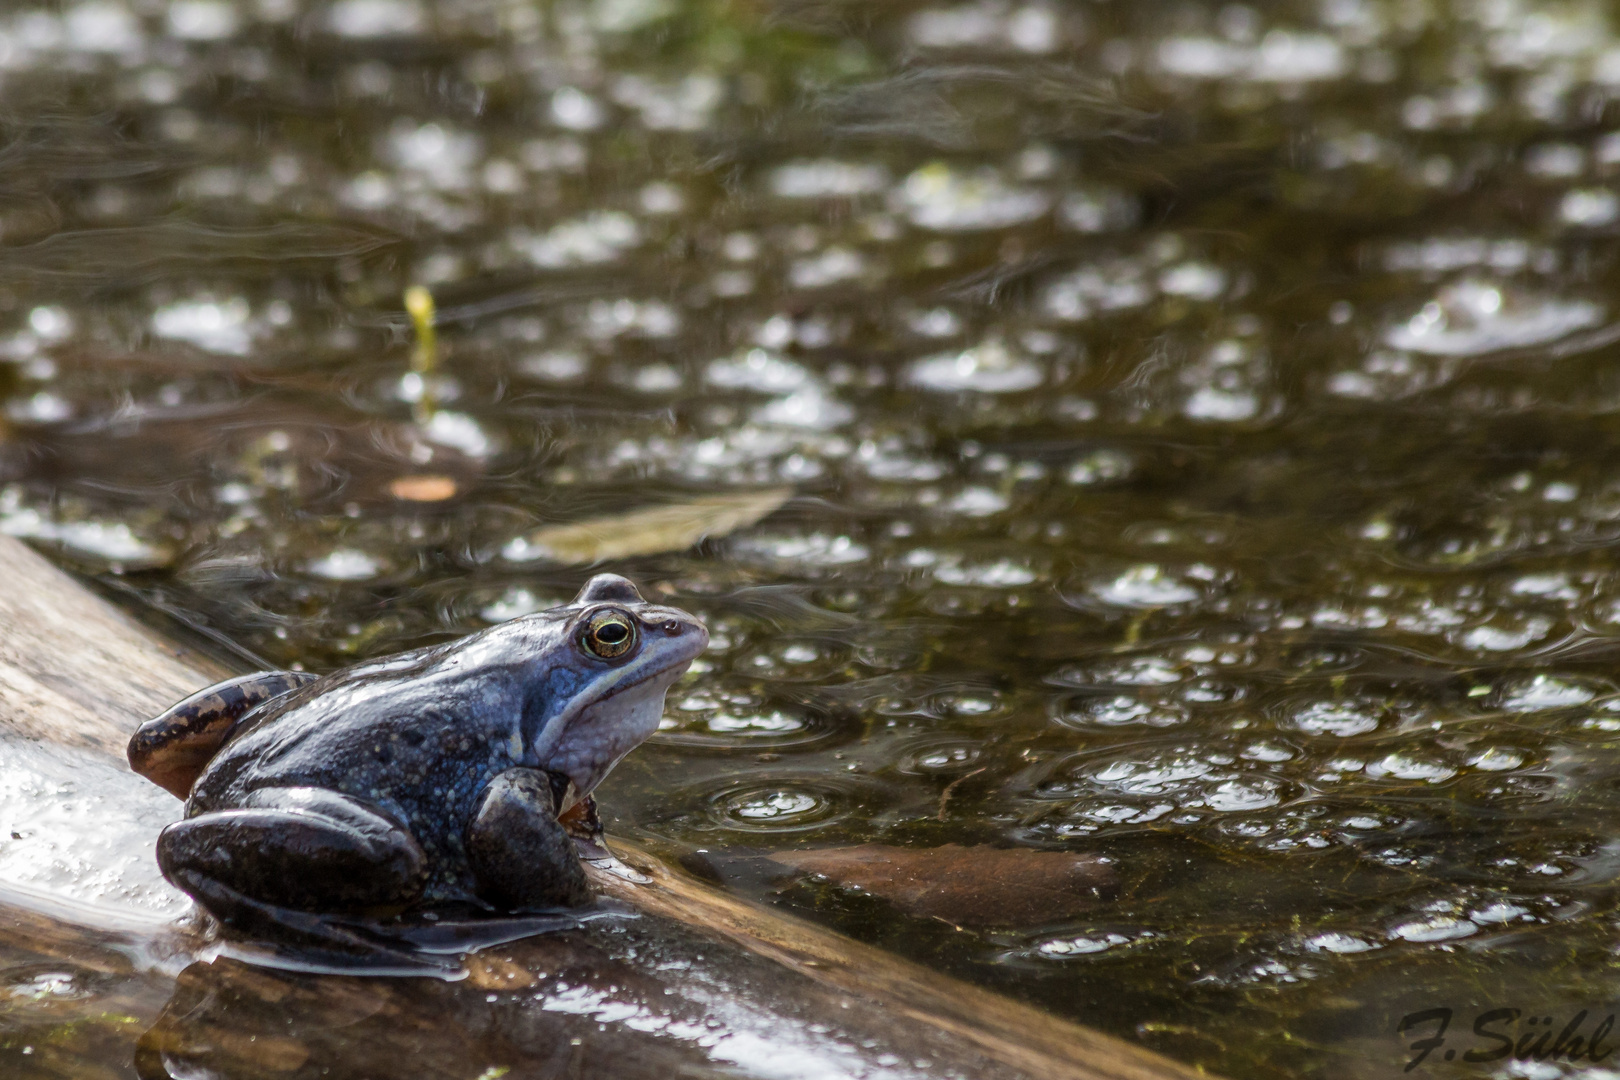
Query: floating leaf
x=649, y=531
x=976, y=886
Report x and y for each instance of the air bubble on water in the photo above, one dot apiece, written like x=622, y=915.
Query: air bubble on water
x=202, y=20
x=1589, y=208
x=990, y=367
x=814, y=549
x=515, y=602
x=623, y=16
x=220, y=326
x=1555, y=161
x=1280, y=57
x=759, y=370
x=1158, y=775
x=1239, y=795
x=554, y=365
x=1080, y=945
x=1408, y=767
x=459, y=431
x=1550, y=586
x=112, y=541
x=1100, y=467
x=947, y=199
x=1473, y=317
x=976, y=502
x=1121, y=711
x=1113, y=285
x=600, y=237
x=1545, y=692
x=576, y=110
x=1214, y=403
x=1506, y=638
x=774, y=805
x=1434, y=928
x=41, y=407
x=1146, y=585
x=1496, y=759
x=1194, y=280
x=987, y=25
x=685, y=104
x=833, y=266
x=1121, y=814
x=827, y=178
x=368, y=191
x=50, y=322
x=654, y=379
x=813, y=408
x=1335, y=718
x=1500, y=912
x=345, y=564
x=1098, y=210
x=998, y=574
x=101, y=26
x=376, y=18
x=772, y=723
x=1341, y=944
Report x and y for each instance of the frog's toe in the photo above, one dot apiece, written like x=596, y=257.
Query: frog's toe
x=300, y=848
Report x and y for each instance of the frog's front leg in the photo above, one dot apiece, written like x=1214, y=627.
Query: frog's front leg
x=307, y=849
x=521, y=855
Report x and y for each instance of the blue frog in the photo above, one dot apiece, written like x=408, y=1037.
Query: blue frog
x=447, y=775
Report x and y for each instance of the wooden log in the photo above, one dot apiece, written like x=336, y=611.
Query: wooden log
x=78, y=673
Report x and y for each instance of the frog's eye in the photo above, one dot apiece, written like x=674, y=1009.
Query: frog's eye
x=609, y=635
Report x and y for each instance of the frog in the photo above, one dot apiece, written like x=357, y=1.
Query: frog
x=461, y=774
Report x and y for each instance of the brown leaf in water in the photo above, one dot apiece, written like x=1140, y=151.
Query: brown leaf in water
x=650, y=531
x=422, y=488
x=970, y=886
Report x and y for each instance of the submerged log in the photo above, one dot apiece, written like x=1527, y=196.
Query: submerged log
x=699, y=982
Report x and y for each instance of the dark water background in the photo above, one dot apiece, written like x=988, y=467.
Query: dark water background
x=1200, y=422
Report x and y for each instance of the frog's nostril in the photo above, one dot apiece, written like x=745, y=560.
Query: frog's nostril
x=672, y=627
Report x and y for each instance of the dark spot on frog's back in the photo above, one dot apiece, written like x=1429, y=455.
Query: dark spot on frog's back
x=411, y=736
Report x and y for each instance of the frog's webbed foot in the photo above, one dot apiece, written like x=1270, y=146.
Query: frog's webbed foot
x=521, y=855
x=304, y=849
x=583, y=824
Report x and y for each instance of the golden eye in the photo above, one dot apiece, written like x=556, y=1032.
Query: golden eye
x=609, y=635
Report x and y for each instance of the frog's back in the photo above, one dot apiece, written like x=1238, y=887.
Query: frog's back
x=417, y=743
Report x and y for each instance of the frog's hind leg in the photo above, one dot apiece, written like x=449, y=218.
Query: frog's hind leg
x=520, y=854
x=303, y=849
x=172, y=750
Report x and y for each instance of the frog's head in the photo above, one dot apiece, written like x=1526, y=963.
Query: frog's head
x=600, y=692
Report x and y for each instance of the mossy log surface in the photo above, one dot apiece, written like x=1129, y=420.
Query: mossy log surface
x=700, y=984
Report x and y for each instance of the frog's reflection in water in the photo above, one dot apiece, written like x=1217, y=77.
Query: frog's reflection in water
x=537, y=1008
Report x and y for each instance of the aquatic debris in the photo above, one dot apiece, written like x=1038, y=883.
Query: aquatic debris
x=422, y=488
x=968, y=886
x=648, y=531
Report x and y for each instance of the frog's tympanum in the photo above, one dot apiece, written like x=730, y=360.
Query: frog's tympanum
x=446, y=775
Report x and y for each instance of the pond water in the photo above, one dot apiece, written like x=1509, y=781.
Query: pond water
x=1198, y=425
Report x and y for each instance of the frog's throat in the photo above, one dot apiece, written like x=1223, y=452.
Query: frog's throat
x=551, y=735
